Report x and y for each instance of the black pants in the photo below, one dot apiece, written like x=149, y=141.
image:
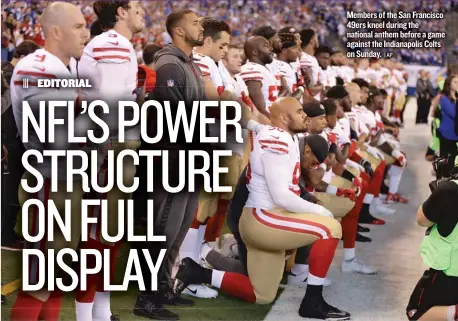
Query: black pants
x=11, y=177
x=423, y=107
x=447, y=147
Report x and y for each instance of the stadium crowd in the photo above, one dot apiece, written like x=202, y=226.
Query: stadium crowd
x=322, y=157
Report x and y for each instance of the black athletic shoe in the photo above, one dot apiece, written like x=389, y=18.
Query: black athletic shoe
x=148, y=307
x=315, y=307
x=189, y=272
x=169, y=297
x=362, y=229
x=115, y=318
x=362, y=238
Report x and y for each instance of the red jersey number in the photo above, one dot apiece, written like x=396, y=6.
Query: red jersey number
x=273, y=93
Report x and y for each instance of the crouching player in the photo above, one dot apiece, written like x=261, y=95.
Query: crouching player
x=276, y=219
x=435, y=296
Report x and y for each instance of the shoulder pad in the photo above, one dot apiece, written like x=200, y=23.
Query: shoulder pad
x=275, y=140
x=111, y=48
x=250, y=72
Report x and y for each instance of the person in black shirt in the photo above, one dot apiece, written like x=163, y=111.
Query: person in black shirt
x=435, y=296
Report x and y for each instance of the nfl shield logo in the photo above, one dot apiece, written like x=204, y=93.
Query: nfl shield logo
x=170, y=83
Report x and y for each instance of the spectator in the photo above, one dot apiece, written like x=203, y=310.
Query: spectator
x=448, y=130
x=14, y=148
x=425, y=93
x=146, y=73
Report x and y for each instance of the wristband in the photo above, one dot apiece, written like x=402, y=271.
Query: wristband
x=331, y=190
x=323, y=166
x=348, y=175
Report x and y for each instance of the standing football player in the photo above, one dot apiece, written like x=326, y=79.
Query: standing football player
x=65, y=30
x=110, y=61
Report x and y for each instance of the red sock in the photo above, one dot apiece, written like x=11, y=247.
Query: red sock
x=321, y=256
x=216, y=222
x=350, y=221
x=51, y=308
x=26, y=308
x=377, y=179
x=365, y=176
x=238, y=285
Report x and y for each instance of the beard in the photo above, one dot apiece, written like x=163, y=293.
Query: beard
x=191, y=41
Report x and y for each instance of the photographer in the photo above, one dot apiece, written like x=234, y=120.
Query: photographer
x=436, y=295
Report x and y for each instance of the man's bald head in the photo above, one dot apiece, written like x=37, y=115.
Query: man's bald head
x=56, y=14
x=258, y=49
x=64, y=28
x=287, y=113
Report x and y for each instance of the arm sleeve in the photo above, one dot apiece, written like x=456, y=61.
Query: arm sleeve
x=163, y=88
x=278, y=186
x=447, y=107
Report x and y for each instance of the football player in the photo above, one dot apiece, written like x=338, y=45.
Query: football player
x=308, y=63
x=110, y=61
x=262, y=84
x=65, y=30
x=272, y=36
x=325, y=76
x=285, y=58
x=276, y=219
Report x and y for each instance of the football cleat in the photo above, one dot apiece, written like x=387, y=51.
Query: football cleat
x=362, y=229
x=189, y=272
x=362, y=238
x=200, y=291
x=315, y=307
x=356, y=266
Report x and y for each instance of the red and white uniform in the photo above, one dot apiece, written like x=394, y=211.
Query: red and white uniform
x=326, y=77
x=356, y=123
x=209, y=68
x=308, y=61
x=345, y=72
x=289, y=73
x=24, y=87
x=271, y=140
x=270, y=84
x=368, y=74
x=109, y=61
x=237, y=86
x=367, y=117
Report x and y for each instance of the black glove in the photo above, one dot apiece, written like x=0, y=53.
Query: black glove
x=367, y=167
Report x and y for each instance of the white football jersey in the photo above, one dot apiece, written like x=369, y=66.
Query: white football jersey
x=344, y=126
x=208, y=67
x=109, y=61
x=271, y=140
x=308, y=61
x=367, y=74
x=356, y=123
x=289, y=73
x=367, y=117
x=24, y=88
x=237, y=86
x=270, y=84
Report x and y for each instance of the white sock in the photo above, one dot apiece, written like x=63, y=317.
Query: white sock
x=101, y=310
x=205, y=250
x=395, y=173
x=349, y=254
x=83, y=311
x=368, y=198
x=200, y=240
x=299, y=269
x=314, y=280
x=452, y=312
x=189, y=246
x=201, y=235
x=217, y=278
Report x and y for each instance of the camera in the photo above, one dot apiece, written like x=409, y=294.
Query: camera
x=446, y=169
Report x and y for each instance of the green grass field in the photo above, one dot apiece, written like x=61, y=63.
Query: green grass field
x=222, y=308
